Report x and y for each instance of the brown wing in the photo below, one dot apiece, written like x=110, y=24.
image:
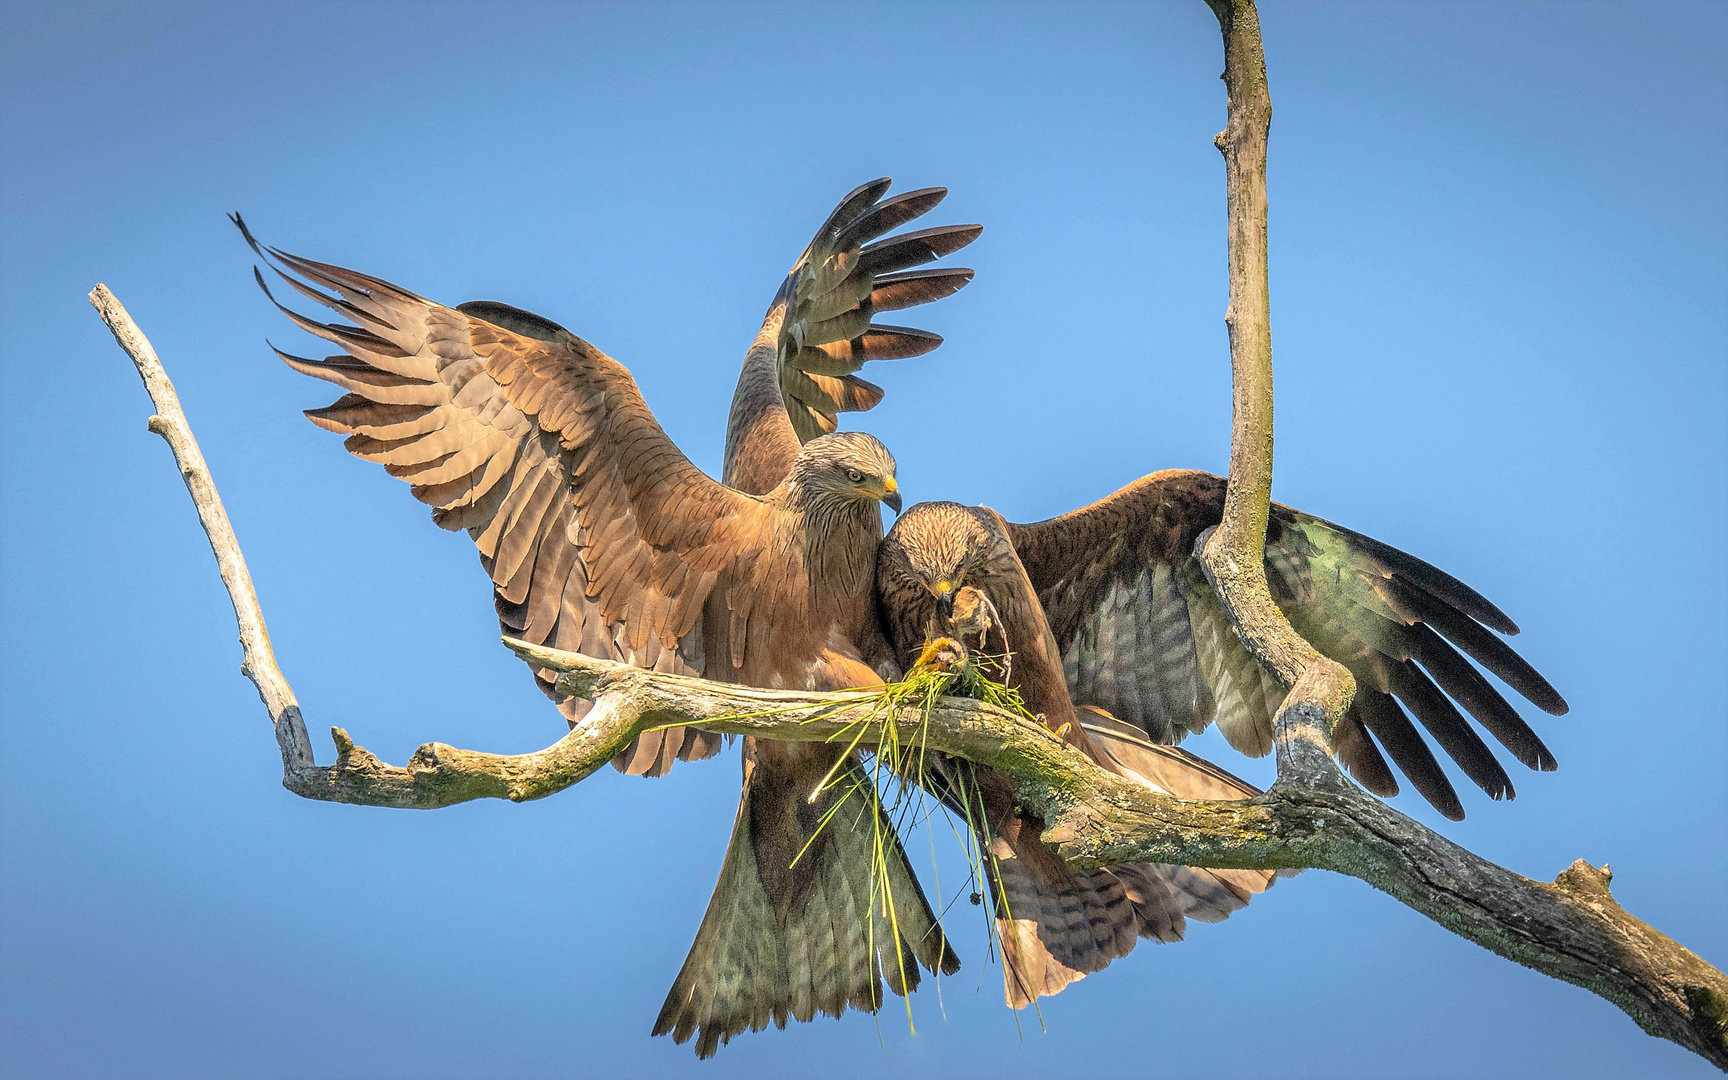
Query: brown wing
x=1144, y=637
x=598, y=534
x=1055, y=924
x=798, y=375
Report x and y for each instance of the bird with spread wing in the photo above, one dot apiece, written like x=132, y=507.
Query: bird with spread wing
x=1110, y=602
x=1054, y=925
x=1118, y=642
x=1112, y=633
x=600, y=536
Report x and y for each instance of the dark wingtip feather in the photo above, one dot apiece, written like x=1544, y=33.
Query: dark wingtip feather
x=1431, y=579
x=323, y=418
x=1467, y=686
x=916, y=248
x=288, y=357
x=869, y=191
x=855, y=203
x=514, y=319
x=1357, y=752
x=894, y=292
x=1482, y=646
x=1394, y=731
x=889, y=214
x=299, y=286
x=271, y=256
x=884, y=342
x=1449, y=728
x=251, y=241
x=1443, y=586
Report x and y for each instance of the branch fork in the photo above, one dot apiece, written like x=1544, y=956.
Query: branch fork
x=1572, y=929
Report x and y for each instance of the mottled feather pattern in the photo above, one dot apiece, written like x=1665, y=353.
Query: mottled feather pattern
x=599, y=536
x=820, y=329
x=571, y=501
x=1057, y=925
x=789, y=930
x=1402, y=627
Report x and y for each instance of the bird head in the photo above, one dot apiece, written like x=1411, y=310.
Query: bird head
x=935, y=551
x=847, y=466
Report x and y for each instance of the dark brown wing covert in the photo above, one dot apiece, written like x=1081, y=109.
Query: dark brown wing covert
x=598, y=534
x=1144, y=637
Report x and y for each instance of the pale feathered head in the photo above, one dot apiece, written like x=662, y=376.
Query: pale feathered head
x=929, y=562
x=846, y=466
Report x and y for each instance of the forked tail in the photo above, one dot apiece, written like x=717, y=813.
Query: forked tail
x=816, y=907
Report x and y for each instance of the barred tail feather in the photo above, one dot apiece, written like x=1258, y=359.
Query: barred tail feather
x=797, y=924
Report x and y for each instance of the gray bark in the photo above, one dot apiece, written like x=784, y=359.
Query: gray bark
x=1313, y=817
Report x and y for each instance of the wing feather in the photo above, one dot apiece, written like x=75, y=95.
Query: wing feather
x=598, y=534
x=798, y=375
x=1402, y=627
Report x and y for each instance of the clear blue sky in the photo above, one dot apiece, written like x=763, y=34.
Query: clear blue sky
x=1499, y=263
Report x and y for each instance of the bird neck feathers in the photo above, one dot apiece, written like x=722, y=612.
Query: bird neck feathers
x=838, y=532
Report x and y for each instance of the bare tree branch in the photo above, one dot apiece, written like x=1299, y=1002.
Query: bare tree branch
x=1572, y=930
x=1233, y=554
x=258, y=660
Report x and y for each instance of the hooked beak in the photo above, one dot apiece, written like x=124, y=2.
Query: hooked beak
x=944, y=591
x=891, y=493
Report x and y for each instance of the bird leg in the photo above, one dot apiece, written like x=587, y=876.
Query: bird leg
x=942, y=654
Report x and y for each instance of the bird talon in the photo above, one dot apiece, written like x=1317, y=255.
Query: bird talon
x=943, y=654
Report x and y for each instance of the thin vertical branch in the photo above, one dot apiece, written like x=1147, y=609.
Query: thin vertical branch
x=1232, y=554
x=1573, y=930
x=258, y=660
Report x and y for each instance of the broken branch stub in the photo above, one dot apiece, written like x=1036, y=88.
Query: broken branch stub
x=1573, y=929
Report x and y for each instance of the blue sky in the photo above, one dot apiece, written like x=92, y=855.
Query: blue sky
x=1499, y=269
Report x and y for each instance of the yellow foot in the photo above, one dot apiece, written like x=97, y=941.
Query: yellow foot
x=943, y=653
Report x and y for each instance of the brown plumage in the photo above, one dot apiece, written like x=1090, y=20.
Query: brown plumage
x=601, y=537
x=797, y=375
x=947, y=569
x=1100, y=915
x=1142, y=636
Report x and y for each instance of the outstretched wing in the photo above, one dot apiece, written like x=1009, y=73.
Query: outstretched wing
x=798, y=376
x=599, y=536
x=1144, y=637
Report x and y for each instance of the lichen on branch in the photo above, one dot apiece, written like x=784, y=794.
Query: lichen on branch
x=1572, y=929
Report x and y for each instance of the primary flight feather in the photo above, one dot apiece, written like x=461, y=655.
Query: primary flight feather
x=601, y=537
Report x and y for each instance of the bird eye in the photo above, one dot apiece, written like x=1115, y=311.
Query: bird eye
x=854, y=475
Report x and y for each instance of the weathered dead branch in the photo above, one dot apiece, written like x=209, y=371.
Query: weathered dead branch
x=1320, y=689
x=1572, y=929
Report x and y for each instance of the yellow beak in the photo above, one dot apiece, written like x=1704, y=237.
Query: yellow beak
x=891, y=492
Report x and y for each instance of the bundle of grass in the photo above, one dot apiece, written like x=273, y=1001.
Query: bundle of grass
x=890, y=777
